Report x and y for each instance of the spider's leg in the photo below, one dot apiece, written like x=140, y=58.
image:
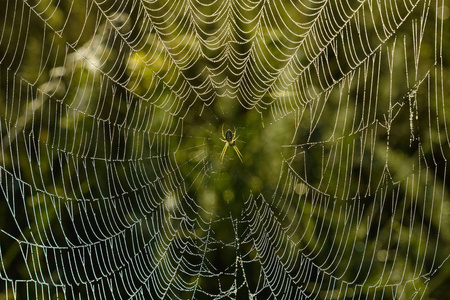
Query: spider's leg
x=234, y=133
x=223, y=135
x=239, y=154
x=223, y=152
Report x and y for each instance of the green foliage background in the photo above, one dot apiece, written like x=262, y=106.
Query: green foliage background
x=160, y=148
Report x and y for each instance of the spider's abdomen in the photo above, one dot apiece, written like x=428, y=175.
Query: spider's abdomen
x=229, y=135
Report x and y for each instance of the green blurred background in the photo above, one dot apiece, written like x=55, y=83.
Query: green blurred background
x=111, y=116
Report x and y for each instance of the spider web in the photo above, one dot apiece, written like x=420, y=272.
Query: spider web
x=111, y=180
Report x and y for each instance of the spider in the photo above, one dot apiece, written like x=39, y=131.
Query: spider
x=229, y=138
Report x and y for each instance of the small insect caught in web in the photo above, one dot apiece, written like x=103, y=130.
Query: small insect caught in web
x=229, y=138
